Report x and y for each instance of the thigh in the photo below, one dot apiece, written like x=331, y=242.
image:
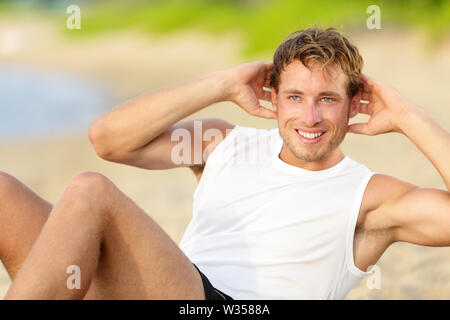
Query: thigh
x=138, y=259
x=22, y=216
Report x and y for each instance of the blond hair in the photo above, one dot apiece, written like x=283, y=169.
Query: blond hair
x=323, y=46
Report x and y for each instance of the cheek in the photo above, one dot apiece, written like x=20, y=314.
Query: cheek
x=336, y=116
x=285, y=113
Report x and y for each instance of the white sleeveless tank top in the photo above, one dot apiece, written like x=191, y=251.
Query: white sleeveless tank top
x=264, y=229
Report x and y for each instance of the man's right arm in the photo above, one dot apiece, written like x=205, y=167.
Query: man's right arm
x=139, y=132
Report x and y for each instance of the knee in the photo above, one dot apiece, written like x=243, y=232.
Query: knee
x=87, y=196
x=88, y=189
x=89, y=185
x=5, y=185
x=4, y=180
x=8, y=185
x=90, y=179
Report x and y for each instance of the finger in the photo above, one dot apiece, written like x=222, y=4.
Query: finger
x=365, y=96
x=269, y=66
x=367, y=80
x=267, y=96
x=365, y=91
x=268, y=71
x=370, y=84
x=265, y=113
x=364, y=108
x=358, y=128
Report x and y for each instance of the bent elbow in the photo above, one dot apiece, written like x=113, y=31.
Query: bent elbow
x=106, y=143
x=99, y=139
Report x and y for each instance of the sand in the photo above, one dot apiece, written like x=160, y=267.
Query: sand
x=129, y=63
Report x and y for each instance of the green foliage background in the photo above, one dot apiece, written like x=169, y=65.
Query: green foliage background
x=262, y=23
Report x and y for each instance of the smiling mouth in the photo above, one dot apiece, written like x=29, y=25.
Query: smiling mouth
x=310, y=135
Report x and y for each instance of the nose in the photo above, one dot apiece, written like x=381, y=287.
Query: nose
x=312, y=114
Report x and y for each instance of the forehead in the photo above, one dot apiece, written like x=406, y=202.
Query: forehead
x=313, y=79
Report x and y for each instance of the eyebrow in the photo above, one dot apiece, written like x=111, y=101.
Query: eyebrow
x=293, y=91
x=323, y=93
x=329, y=93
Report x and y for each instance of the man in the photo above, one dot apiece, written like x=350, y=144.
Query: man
x=302, y=221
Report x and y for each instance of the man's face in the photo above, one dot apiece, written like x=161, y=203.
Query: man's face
x=313, y=110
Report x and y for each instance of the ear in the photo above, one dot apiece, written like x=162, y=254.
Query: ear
x=273, y=96
x=354, y=105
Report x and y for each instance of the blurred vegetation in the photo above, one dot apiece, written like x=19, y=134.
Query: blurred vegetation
x=261, y=23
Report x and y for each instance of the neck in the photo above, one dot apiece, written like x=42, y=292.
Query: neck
x=328, y=161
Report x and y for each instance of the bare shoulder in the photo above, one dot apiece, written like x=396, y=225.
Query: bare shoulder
x=381, y=190
x=375, y=228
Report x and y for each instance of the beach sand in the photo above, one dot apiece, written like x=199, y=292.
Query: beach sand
x=130, y=63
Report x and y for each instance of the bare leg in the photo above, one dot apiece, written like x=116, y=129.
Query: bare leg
x=117, y=246
x=22, y=216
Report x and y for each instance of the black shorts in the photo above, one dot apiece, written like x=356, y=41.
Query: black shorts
x=212, y=293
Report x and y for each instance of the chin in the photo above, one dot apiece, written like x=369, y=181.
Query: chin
x=308, y=157
x=302, y=153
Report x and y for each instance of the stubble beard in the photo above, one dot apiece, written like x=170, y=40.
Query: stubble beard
x=314, y=152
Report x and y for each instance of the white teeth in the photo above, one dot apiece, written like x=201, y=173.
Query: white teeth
x=309, y=135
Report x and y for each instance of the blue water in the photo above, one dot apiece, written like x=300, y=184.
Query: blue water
x=36, y=103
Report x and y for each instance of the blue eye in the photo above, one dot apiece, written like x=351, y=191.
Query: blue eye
x=327, y=99
x=295, y=97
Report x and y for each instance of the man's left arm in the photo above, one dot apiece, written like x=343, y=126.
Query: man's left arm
x=414, y=214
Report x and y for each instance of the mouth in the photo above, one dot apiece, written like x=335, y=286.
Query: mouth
x=310, y=137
